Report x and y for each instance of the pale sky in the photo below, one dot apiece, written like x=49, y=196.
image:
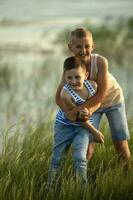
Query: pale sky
x=44, y=9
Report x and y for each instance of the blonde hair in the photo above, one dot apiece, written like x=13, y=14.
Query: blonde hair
x=80, y=33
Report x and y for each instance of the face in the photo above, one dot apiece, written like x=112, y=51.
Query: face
x=81, y=47
x=75, y=77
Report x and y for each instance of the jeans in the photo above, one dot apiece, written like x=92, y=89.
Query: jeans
x=117, y=121
x=65, y=135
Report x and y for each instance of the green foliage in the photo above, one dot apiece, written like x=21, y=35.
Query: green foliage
x=109, y=39
x=5, y=76
x=24, y=162
x=130, y=24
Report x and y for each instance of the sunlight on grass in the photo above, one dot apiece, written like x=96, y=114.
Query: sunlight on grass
x=24, y=167
x=28, y=86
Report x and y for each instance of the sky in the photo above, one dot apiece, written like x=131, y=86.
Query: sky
x=49, y=9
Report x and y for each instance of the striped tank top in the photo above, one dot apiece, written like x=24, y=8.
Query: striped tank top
x=60, y=117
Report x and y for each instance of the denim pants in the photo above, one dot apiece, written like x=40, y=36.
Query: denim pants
x=116, y=116
x=79, y=138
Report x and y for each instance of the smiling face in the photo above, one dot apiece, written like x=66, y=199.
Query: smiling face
x=81, y=44
x=75, y=77
x=81, y=47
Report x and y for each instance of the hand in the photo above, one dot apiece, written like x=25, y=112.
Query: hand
x=83, y=115
x=73, y=114
x=99, y=137
x=78, y=115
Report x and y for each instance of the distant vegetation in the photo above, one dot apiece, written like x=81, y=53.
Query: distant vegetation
x=28, y=92
x=110, y=40
x=6, y=22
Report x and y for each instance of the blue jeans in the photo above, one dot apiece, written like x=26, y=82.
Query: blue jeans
x=117, y=121
x=79, y=138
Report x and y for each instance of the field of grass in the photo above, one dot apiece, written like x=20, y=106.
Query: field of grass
x=27, y=112
x=24, y=163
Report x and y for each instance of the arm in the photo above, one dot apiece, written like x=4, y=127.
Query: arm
x=102, y=83
x=58, y=98
x=98, y=136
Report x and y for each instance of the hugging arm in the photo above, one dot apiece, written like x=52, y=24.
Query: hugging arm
x=67, y=101
x=69, y=111
x=60, y=101
x=58, y=98
x=102, y=82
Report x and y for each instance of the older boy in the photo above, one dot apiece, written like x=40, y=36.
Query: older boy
x=109, y=92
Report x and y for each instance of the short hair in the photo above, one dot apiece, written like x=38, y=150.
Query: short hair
x=73, y=63
x=80, y=33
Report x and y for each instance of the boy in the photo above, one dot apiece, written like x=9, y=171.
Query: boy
x=109, y=93
x=76, y=90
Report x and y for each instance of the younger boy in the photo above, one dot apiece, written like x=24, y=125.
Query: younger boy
x=75, y=92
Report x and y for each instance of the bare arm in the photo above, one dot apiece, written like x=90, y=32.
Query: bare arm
x=60, y=102
x=58, y=98
x=102, y=83
x=98, y=136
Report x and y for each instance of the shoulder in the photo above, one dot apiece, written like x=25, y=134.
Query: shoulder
x=64, y=94
x=102, y=61
x=102, y=65
x=67, y=99
x=93, y=83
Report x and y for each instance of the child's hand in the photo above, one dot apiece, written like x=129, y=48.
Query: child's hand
x=99, y=137
x=83, y=115
x=80, y=116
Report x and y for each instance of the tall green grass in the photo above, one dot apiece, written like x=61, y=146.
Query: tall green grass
x=24, y=162
x=28, y=86
x=26, y=147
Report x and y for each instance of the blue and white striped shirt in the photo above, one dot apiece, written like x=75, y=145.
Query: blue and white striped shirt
x=60, y=117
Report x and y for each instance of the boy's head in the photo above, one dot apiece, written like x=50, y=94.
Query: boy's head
x=81, y=43
x=75, y=72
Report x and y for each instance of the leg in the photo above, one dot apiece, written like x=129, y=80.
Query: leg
x=62, y=139
x=119, y=129
x=96, y=120
x=123, y=149
x=80, y=144
x=90, y=150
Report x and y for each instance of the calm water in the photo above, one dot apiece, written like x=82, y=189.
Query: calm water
x=27, y=21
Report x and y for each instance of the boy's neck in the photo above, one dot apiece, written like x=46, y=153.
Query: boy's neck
x=88, y=64
x=88, y=61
